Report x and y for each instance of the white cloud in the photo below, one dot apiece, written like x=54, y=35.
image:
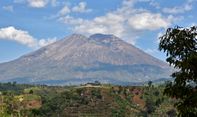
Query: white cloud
x=45, y=42
x=37, y=3
x=154, y=4
x=111, y=24
x=125, y=22
x=176, y=10
x=8, y=8
x=180, y=9
x=71, y=20
x=23, y=37
x=65, y=10
x=149, y=21
x=81, y=8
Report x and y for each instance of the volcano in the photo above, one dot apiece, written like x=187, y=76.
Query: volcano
x=79, y=59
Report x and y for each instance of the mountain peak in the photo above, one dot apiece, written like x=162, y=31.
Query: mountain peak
x=101, y=36
x=75, y=35
x=104, y=38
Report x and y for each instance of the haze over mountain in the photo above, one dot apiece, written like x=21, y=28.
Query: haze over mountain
x=79, y=59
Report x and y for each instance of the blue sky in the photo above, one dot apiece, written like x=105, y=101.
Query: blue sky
x=27, y=25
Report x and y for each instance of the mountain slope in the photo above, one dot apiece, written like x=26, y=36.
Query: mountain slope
x=78, y=59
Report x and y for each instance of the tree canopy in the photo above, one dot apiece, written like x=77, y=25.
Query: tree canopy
x=180, y=46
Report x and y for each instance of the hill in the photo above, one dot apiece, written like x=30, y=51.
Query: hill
x=85, y=101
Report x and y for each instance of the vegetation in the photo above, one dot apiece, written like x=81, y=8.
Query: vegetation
x=84, y=101
x=180, y=44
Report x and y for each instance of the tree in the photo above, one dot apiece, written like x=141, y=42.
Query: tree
x=150, y=83
x=150, y=106
x=14, y=83
x=180, y=46
x=31, y=91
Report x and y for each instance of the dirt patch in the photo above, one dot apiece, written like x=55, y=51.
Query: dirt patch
x=137, y=100
x=34, y=104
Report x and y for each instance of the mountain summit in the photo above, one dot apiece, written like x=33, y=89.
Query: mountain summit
x=80, y=59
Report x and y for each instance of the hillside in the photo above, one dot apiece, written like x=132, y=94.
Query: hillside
x=78, y=59
x=85, y=101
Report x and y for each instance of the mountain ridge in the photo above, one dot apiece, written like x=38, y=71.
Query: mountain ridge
x=79, y=57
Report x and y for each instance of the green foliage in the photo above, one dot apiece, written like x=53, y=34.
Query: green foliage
x=97, y=93
x=150, y=106
x=115, y=101
x=171, y=113
x=31, y=92
x=180, y=45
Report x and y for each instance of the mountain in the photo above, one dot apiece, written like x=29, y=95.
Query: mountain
x=79, y=59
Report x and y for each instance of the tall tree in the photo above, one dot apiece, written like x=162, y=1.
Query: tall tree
x=180, y=46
